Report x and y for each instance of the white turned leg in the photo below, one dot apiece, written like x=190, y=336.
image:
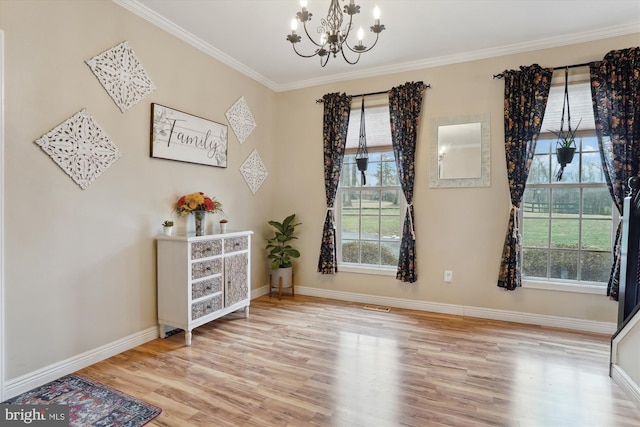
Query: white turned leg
x=187, y=337
x=246, y=312
x=162, y=332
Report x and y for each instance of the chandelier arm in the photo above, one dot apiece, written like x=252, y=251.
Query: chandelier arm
x=347, y=59
x=323, y=64
x=304, y=25
x=364, y=50
x=302, y=55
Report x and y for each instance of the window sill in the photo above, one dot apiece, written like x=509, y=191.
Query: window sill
x=353, y=268
x=583, y=288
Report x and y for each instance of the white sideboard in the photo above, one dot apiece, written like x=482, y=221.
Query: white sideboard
x=202, y=278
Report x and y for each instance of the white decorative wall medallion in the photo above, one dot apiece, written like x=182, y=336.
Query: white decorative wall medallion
x=241, y=120
x=254, y=171
x=122, y=75
x=80, y=147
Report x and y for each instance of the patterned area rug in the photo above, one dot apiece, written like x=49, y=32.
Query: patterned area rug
x=90, y=403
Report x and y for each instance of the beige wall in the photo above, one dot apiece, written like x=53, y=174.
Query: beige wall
x=80, y=264
x=458, y=229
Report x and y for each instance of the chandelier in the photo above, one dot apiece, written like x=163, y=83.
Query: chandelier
x=332, y=35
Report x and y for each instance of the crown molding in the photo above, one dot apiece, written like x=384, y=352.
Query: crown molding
x=548, y=43
x=161, y=22
x=587, y=36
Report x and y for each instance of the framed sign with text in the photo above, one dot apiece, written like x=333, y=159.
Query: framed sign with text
x=176, y=135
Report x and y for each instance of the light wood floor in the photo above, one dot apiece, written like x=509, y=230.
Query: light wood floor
x=315, y=362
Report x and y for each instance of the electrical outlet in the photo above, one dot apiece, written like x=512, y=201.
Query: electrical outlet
x=448, y=276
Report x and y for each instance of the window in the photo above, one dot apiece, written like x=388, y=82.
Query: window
x=568, y=225
x=369, y=217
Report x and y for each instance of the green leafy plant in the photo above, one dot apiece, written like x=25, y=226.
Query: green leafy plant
x=167, y=223
x=280, y=250
x=566, y=138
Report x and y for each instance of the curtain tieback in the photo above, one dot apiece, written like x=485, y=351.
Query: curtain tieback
x=409, y=210
x=516, y=227
x=330, y=210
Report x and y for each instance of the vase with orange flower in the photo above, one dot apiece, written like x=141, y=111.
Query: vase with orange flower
x=199, y=204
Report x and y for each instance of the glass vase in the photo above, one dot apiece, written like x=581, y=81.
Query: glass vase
x=200, y=223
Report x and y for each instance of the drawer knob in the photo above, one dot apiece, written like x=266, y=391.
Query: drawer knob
x=207, y=249
x=208, y=268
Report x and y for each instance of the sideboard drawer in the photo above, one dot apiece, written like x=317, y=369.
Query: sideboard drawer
x=236, y=244
x=206, y=268
x=206, y=287
x=206, y=249
x=208, y=306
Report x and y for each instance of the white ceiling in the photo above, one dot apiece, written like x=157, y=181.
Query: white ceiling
x=250, y=35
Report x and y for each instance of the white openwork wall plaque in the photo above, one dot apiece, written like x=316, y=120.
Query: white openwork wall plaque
x=121, y=75
x=254, y=171
x=241, y=119
x=80, y=147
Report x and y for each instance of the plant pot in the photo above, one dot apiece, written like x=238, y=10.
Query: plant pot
x=285, y=273
x=223, y=227
x=279, y=279
x=362, y=163
x=565, y=155
x=168, y=231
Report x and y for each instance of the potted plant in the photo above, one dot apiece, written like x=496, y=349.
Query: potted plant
x=223, y=225
x=281, y=252
x=565, y=147
x=168, y=227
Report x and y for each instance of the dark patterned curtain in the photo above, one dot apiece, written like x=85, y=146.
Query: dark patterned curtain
x=405, y=103
x=334, y=138
x=525, y=98
x=615, y=92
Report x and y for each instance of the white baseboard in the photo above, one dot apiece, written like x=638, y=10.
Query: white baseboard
x=460, y=310
x=49, y=373
x=625, y=382
x=52, y=372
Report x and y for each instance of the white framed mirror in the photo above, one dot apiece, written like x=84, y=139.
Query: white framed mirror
x=460, y=151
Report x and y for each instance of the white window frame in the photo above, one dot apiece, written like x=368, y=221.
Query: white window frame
x=580, y=286
x=365, y=268
x=379, y=141
x=579, y=86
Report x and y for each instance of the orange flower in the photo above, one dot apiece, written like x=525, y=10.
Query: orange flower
x=197, y=202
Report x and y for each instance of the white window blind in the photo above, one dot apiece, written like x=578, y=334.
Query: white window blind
x=579, y=99
x=377, y=126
